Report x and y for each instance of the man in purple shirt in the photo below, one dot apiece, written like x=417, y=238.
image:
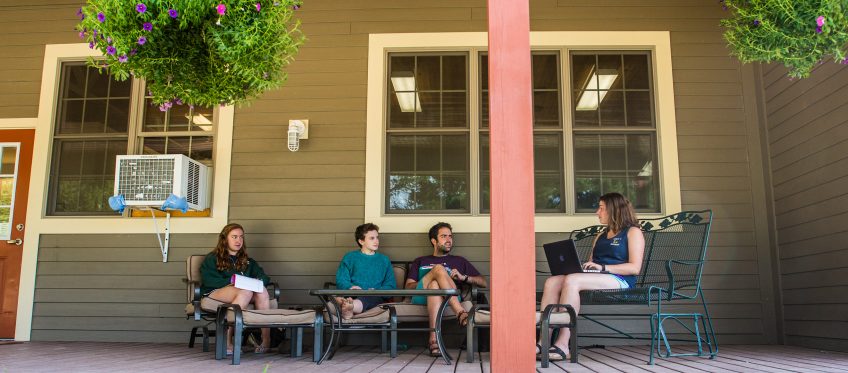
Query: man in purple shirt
x=441, y=271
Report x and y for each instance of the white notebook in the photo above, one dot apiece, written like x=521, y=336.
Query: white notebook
x=247, y=283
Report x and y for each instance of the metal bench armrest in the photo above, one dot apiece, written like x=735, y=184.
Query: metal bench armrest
x=670, y=273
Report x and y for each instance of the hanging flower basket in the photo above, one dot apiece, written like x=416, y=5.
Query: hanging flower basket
x=201, y=52
x=798, y=34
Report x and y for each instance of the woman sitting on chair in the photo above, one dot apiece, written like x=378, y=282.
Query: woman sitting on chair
x=229, y=258
x=617, y=251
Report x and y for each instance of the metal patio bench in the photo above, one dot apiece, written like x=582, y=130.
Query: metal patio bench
x=675, y=251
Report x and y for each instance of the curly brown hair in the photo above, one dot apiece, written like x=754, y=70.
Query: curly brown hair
x=621, y=213
x=223, y=262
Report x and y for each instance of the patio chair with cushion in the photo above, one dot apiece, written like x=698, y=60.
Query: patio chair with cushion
x=204, y=309
x=231, y=315
x=553, y=316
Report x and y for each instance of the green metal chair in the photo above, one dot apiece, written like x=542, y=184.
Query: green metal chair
x=675, y=248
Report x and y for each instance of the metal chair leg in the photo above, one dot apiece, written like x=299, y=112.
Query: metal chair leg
x=191, y=337
x=205, y=339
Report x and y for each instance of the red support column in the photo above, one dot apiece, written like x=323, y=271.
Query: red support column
x=513, y=253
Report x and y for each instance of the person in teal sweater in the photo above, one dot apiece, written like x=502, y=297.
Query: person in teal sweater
x=364, y=269
x=229, y=258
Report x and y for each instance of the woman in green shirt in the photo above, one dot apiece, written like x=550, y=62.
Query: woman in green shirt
x=229, y=258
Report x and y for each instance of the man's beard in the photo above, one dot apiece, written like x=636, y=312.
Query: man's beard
x=444, y=250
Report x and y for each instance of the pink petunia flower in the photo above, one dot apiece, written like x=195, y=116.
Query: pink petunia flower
x=258, y=7
x=820, y=21
x=221, y=9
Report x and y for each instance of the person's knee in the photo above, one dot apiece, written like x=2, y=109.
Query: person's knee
x=553, y=283
x=571, y=283
x=439, y=270
x=433, y=285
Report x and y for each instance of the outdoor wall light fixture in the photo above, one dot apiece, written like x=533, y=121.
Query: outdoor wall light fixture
x=298, y=129
x=591, y=98
x=404, y=84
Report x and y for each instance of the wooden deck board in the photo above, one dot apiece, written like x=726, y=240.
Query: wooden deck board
x=150, y=357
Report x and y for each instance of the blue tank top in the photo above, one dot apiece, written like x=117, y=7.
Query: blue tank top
x=609, y=251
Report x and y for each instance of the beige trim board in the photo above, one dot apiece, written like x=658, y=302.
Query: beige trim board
x=38, y=223
x=17, y=123
x=380, y=44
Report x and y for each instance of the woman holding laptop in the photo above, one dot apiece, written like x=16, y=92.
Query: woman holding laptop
x=230, y=258
x=617, y=252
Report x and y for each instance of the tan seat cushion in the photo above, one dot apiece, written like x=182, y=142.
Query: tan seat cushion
x=275, y=317
x=376, y=315
x=484, y=317
x=210, y=304
x=408, y=312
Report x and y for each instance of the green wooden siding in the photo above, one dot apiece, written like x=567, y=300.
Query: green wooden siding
x=300, y=208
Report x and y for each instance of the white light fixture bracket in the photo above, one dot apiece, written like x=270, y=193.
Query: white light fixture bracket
x=298, y=129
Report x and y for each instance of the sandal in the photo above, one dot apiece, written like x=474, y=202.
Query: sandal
x=434, y=349
x=261, y=349
x=557, y=354
x=257, y=347
x=462, y=318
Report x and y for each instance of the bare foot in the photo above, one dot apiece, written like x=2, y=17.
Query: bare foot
x=346, y=305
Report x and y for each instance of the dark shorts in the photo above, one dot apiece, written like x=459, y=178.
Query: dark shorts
x=371, y=302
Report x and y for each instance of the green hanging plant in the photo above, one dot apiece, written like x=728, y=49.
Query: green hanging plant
x=200, y=52
x=798, y=34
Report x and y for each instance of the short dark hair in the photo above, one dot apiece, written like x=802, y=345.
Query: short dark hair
x=362, y=230
x=434, y=230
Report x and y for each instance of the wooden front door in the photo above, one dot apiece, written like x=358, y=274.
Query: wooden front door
x=15, y=167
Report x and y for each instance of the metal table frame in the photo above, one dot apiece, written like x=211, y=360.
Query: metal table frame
x=328, y=297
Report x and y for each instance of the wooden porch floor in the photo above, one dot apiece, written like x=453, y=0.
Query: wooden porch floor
x=149, y=357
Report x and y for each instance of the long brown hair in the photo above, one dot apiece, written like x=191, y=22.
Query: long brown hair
x=223, y=256
x=621, y=213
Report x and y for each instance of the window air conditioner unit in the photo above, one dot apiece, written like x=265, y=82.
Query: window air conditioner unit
x=147, y=180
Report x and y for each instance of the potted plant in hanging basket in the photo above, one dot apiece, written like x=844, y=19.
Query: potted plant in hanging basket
x=199, y=52
x=798, y=34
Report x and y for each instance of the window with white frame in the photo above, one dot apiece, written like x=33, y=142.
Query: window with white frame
x=97, y=118
x=607, y=143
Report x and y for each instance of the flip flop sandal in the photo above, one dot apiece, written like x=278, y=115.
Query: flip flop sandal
x=462, y=318
x=261, y=350
x=434, y=350
x=556, y=354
